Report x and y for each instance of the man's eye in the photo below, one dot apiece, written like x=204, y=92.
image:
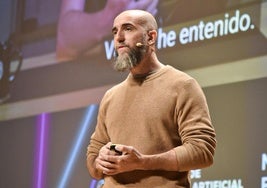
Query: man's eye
x=128, y=28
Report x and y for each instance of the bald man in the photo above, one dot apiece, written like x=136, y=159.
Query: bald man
x=154, y=127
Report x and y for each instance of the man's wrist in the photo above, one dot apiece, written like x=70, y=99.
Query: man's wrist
x=164, y=161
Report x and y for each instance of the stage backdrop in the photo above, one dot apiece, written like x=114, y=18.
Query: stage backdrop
x=50, y=99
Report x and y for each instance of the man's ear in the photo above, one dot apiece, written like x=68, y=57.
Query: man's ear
x=152, y=37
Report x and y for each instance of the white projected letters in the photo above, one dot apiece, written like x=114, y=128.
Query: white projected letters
x=264, y=182
x=109, y=48
x=264, y=162
x=200, y=182
x=195, y=174
x=166, y=39
x=225, y=183
x=217, y=28
x=233, y=183
x=264, y=168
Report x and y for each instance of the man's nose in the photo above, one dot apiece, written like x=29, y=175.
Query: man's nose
x=120, y=36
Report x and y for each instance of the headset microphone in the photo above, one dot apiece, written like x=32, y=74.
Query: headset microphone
x=139, y=44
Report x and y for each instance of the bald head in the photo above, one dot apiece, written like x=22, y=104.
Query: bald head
x=143, y=18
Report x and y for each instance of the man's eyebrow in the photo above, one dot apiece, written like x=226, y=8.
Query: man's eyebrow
x=114, y=29
x=123, y=26
x=127, y=24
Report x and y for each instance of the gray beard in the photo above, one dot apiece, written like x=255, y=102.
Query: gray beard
x=129, y=60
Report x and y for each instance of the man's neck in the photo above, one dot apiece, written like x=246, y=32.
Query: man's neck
x=146, y=67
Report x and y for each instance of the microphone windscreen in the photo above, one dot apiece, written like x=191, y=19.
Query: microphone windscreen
x=139, y=44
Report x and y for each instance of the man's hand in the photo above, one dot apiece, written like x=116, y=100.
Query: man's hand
x=110, y=163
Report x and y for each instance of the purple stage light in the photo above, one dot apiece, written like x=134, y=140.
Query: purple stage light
x=40, y=155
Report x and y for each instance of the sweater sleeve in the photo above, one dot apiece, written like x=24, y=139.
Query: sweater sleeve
x=195, y=128
x=98, y=139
